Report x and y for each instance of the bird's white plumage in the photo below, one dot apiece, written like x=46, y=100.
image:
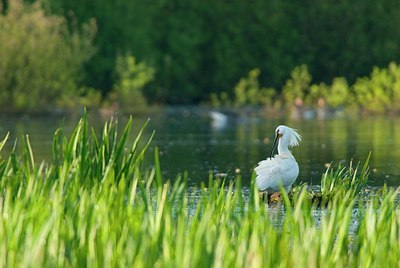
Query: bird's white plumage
x=282, y=168
x=274, y=170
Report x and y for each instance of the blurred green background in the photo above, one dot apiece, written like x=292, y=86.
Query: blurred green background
x=58, y=54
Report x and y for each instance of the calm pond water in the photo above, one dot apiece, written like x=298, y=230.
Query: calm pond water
x=188, y=139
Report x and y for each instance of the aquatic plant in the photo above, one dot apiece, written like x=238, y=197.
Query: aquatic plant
x=342, y=180
x=96, y=204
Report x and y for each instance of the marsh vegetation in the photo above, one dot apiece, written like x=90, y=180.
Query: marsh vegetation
x=96, y=204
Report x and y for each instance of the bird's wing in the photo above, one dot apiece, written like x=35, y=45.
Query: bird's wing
x=272, y=170
x=268, y=166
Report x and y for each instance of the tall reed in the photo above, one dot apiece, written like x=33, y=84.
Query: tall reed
x=96, y=205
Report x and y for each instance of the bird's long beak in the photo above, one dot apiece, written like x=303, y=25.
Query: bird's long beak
x=277, y=136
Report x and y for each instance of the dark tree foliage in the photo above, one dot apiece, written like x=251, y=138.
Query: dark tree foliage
x=3, y=6
x=201, y=46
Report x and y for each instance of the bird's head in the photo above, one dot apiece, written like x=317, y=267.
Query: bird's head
x=288, y=134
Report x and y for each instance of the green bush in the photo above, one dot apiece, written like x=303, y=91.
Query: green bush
x=249, y=92
x=339, y=93
x=394, y=72
x=246, y=92
x=132, y=78
x=40, y=59
x=379, y=92
x=222, y=99
x=297, y=87
x=334, y=96
x=316, y=95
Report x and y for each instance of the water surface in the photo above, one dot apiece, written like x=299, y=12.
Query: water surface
x=189, y=140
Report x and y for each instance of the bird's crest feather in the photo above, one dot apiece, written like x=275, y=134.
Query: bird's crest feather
x=294, y=137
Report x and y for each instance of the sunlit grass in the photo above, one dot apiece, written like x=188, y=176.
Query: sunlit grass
x=95, y=205
x=341, y=181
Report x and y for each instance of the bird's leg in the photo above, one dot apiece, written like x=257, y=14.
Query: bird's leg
x=263, y=195
x=275, y=197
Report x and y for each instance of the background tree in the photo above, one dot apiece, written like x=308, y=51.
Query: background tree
x=40, y=60
x=200, y=47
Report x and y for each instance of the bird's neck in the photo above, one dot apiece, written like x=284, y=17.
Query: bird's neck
x=283, y=149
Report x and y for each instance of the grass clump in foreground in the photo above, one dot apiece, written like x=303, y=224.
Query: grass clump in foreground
x=95, y=206
x=341, y=181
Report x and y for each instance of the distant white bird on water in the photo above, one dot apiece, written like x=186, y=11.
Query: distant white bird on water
x=282, y=168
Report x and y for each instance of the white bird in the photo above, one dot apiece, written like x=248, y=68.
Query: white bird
x=218, y=120
x=282, y=169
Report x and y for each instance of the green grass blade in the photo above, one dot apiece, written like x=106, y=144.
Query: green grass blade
x=3, y=142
